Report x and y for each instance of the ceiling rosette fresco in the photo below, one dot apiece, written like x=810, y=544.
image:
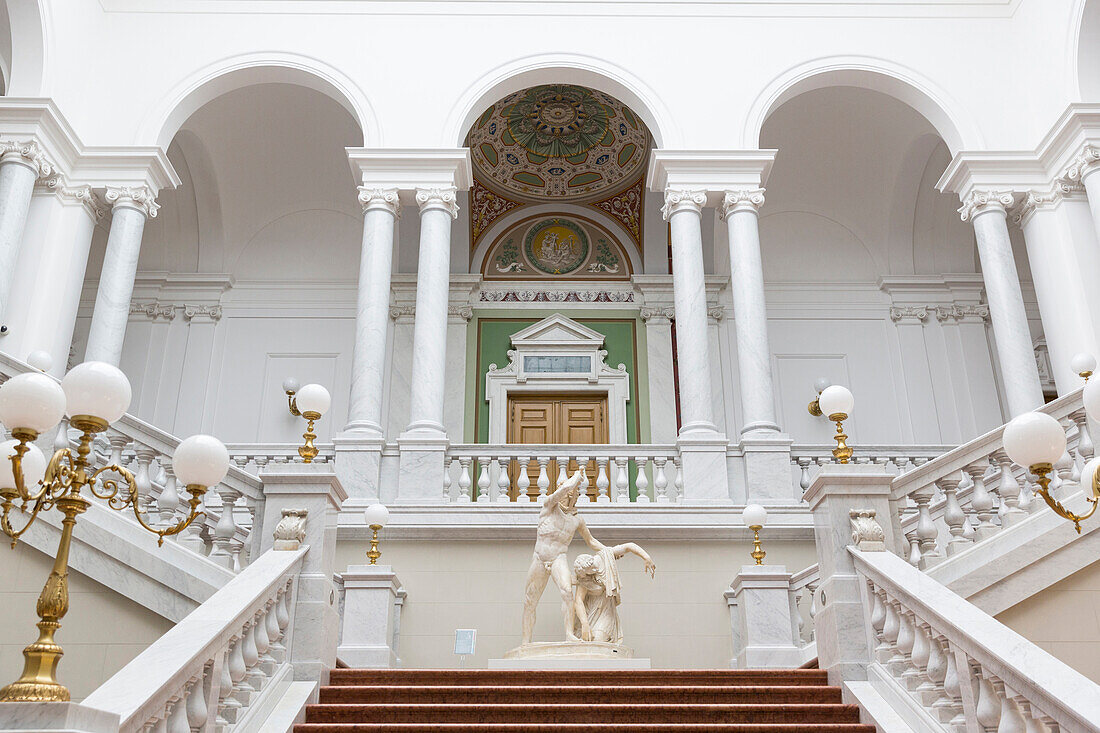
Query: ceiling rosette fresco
x=558, y=142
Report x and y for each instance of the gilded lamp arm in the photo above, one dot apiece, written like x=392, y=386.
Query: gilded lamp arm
x=131, y=495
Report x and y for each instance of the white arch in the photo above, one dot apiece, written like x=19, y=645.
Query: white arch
x=30, y=27
x=235, y=72
x=558, y=68
x=954, y=125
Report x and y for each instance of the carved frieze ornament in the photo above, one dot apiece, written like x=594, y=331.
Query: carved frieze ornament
x=867, y=533
x=290, y=532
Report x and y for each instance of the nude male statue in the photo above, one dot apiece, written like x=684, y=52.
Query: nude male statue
x=558, y=521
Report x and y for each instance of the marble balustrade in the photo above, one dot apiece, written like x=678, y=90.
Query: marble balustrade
x=945, y=665
x=482, y=473
x=972, y=492
x=807, y=460
x=213, y=668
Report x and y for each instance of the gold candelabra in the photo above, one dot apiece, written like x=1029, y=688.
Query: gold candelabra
x=374, y=553
x=843, y=452
x=67, y=474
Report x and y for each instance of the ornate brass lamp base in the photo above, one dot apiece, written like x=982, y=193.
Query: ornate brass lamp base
x=757, y=550
x=843, y=452
x=374, y=553
x=308, y=451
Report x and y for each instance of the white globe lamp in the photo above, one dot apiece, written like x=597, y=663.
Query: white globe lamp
x=376, y=515
x=201, y=460
x=96, y=395
x=313, y=401
x=30, y=404
x=33, y=465
x=1083, y=364
x=40, y=360
x=1033, y=440
x=755, y=517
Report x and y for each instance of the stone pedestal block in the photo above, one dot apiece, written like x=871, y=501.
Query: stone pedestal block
x=372, y=595
x=704, y=464
x=763, y=619
x=767, y=458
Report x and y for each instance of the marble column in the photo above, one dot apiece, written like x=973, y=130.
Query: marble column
x=1064, y=256
x=130, y=207
x=740, y=210
x=1016, y=356
x=21, y=164
x=424, y=441
x=702, y=447
x=662, y=386
x=1083, y=169
x=381, y=208
x=683, y=210
x=49, y=272
x=359, y=446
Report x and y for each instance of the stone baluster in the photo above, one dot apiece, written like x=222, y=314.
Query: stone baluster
x=543, y=480
x=226, y=530
x=582, y=465
x=953, y=515
x=263, y=640
x=804, y=472
x=678, y=484
x=232, y=706
x=981, y=500
x=169, y=499
x=1032, y=724
x=197, y=709
x=523, y=481
x=483, y=465
x=563, y=471
x=812, y=587
x=118, y=444
x=503, y=483
x=950, y=709
x=935, y=670
x=144, y=455
x=1011, y=721
x=988, y=707
x=891, y=627
x=448, y=466
x=622, y=481
x=641, y=483
x=256, y=677
x=926, y=528
x=602, y=481
x=660, y=481
x=276, y=651
x=1085, y=446
x=900, y=665
x=464, y=480
x=1008, y=490
x=914, y=548
x=916, y=675
x=878, y=620
x=242, y=688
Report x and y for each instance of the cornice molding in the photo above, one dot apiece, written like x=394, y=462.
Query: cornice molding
x=1032, y=201
x=82, y=195
x=743, y=199
x=711, y=171
x=955, y=312
x=141, y=198
x=980, y=202
x=408, y=169
x=380, y=199
x=677, y=200
x=444, y=198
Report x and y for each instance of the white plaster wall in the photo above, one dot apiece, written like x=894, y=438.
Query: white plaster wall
x=679, y=618
x=100, y=634
x=1064, y=620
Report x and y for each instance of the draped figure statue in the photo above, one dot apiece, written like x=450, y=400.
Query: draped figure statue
x=596, y=593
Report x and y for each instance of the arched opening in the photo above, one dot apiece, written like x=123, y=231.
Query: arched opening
x=884, y=271
x=246, y=264
x=1088, y=52
x=22, y=48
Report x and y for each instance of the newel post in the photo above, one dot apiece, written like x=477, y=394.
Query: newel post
x=843, y=641
x=314, y=490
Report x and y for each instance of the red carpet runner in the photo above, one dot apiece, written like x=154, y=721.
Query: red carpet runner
x=683, y=701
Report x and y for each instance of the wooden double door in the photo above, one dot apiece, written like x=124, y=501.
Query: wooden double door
x=570, y=419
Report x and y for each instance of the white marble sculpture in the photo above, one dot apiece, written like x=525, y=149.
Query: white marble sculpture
x=558, y=522
x=596, y=592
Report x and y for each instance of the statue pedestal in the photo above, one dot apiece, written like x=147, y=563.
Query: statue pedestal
x=569, y=655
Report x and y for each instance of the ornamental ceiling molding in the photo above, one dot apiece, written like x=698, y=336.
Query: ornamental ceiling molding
x=551, y=247
x=82, y=195
x=627, y=207
x=558, y=142
x=1034, y=200
x=486, y=206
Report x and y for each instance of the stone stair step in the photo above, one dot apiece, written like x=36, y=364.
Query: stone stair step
x=567, y=712
x=595, y=694
x=581, y=728
x=577, y=678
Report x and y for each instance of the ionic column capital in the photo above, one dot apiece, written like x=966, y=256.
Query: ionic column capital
x=980, y=202
x=677, y=200
x=658, y=315
x=444, y=198
x=28, y=153
x=1084, y=163
x=742, y=199
x=141, y=198
x=1031, y=201
x=384, y=199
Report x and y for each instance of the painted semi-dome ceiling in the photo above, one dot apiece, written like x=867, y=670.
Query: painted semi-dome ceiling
x=558, y=142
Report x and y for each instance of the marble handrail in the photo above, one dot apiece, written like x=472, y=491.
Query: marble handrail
x=955, y=664
x=213, y=666
x=808, y=458
x=252, y=457
x=652, y=471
